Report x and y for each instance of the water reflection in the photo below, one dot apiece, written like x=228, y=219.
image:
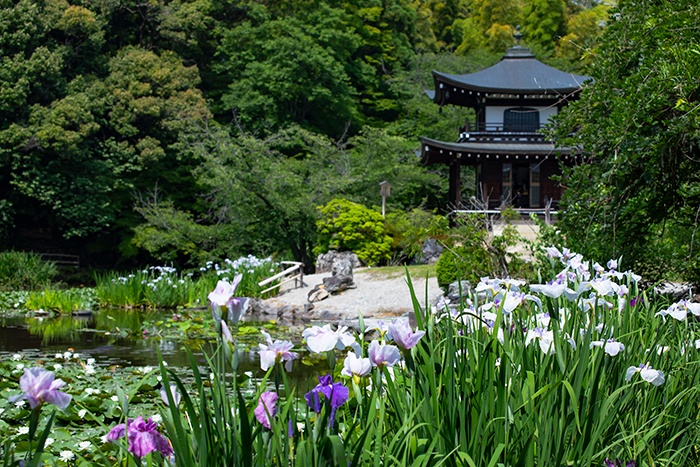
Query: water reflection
x=115, y=337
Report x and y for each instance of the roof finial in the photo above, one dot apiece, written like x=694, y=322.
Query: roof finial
x=517, y=35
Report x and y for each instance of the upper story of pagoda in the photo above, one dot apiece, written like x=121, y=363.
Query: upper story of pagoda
x=512, y=99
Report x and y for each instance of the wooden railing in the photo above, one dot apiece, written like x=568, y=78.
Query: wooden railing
x=61, y=260
x=295, y=272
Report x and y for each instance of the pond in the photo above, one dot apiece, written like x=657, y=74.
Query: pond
x=133, y=338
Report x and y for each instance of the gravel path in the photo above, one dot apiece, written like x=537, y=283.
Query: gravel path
x=376, y=296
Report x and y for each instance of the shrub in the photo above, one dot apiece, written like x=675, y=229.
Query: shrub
x=472, y=251
x=348, y=226
x=24, y=271
x=411, y=229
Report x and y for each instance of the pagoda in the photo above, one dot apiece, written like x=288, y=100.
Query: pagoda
x=512, y=101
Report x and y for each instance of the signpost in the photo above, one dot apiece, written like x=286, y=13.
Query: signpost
x=385, y=191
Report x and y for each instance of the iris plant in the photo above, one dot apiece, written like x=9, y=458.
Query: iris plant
x=143, y=437
x=39, y=387
x=276, y=351
x=335, y=394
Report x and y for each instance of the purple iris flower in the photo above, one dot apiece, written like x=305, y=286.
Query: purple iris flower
x=267, y=408
x=39, y=386
x=143, y=437
x=335, y=393
x=618, y=463
x=400, y=332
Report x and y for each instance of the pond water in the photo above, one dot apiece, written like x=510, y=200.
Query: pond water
x=122, y=338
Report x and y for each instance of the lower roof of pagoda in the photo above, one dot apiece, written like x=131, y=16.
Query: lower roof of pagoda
x=441, y=152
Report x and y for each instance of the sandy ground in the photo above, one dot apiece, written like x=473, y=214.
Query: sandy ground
x=376, y=295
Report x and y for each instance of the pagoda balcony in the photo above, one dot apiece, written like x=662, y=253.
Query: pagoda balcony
x=497, y=132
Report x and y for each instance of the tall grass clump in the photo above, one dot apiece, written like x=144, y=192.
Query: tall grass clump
x=25, y=271
x=166, y=287
x=61, y=300
x=155, y=286
x=253, y=270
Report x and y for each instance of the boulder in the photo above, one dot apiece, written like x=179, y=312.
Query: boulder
x=317, y=294
x=342, y=267
x=430, y=251
x=324, y=262
x=453, y=290
x=675, y=291
x=338, y=283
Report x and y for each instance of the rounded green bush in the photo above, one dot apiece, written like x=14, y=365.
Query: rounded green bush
x=348, y=226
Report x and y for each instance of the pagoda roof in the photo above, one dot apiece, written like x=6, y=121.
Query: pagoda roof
x=518, y=73
x=434, y=151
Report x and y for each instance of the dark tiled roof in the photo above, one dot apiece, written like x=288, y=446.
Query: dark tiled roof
x=518, y=72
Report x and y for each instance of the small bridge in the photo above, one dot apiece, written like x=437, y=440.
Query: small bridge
x=293, y=272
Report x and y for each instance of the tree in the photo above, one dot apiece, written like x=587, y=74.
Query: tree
x=636, y=193
x=544, y=22
x=286, y=71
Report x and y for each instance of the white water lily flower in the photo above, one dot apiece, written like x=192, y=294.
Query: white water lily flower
x=23, y=430
x=84, y=445
x=610, y=346
x=16, y=357
x=49, y=442
x=648, y=374
x=67, y=456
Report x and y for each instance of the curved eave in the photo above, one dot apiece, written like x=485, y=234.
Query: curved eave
x=529, y=85
x=441, y=152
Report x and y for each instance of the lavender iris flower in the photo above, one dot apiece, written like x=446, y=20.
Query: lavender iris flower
x=335, y=393
x=173, y=391
x=267, y=408
x=39, y=386
x=400, y=332
x=276, y=351
x=382, y=355
x=143, y=437
x=222, y=298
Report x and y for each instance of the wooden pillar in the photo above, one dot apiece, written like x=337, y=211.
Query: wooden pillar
x=455, y=191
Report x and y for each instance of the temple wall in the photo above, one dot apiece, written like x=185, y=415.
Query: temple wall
x=494, y=115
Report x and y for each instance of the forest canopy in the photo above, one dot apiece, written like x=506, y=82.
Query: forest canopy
x=186, y=129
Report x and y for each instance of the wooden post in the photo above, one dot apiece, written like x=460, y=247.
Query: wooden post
x=455, y=191
x=385, y=191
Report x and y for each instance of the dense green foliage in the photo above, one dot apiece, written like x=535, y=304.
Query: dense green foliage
x=348, y=226
x=24, y=271
x=409, y=230
x=637, y=193
x=226, y=124
x=473, y=250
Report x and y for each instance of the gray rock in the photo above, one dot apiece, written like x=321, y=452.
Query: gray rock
x=430, y=251
x=453, y=290
x=338, y=283
x=324, y=262
x=675, y=291
x=318, y=294
x=342, y=267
